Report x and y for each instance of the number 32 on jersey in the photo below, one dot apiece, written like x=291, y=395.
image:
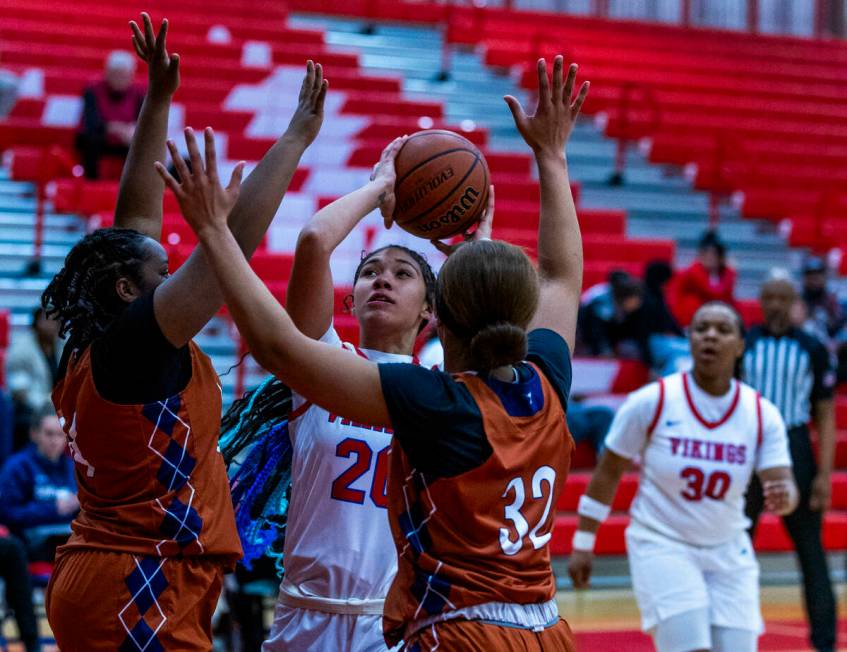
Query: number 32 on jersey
x=540, y=488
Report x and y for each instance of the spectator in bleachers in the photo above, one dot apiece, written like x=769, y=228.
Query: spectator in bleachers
x=589, y=423
x=9, y=84
x=709, y=278
x=793, y=369
x=15, y=575
x=38, y=490
x=32, y=362
x=822, y=313
x=619, y=318
x=110, y=110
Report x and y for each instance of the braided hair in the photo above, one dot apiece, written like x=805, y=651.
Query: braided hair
x=419, y=258
x=82, y=297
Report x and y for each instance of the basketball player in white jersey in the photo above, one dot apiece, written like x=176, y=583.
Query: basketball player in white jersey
x=699, y=435
x=339, y=553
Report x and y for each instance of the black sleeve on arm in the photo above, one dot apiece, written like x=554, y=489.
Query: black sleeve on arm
x=435, y=420
x=134, y=363
x=824, y=385
x=550, y=352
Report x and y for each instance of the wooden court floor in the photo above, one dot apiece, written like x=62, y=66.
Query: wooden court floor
x=606, y=620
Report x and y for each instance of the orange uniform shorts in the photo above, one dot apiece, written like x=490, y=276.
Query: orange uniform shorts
x=120, y=601
x=475, y=636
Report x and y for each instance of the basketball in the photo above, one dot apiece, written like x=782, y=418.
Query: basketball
x=442, y=184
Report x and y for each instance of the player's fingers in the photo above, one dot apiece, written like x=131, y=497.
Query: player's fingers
x=543, y=82
x=516, y=109
x=194, y=154
x=137, y=38
x=318, y=80
x=308, y=78
x=138, y=49
x=174, y=64
x=567, y=91
x=558, y=64
x=320, y=98
x=167, y=177
x=234, y=184
x=179, y=164
x=576, y=107
x=161, y=38
x=149, y=35
x=443, y=247
x=211, y=155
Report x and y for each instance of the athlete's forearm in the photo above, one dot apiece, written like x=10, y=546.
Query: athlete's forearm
x=139, y=202
x=559, y=238
x=603, y=486
x=330, y=225
x=263, y=191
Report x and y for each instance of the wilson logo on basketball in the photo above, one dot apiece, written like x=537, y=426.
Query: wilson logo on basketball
x=424, y=189
x=465, y=203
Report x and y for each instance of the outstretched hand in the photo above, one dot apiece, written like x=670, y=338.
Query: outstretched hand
x=203, y=201
x=308, y=117
x=162, y=69
x=548, y=129
x=385, y=175
x=482, y=231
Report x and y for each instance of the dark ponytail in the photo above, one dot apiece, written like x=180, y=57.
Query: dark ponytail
x=487, y=292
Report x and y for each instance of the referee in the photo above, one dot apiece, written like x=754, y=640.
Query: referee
x=794, y=370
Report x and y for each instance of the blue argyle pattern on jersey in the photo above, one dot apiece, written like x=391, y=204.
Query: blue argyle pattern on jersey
x=182, y=523
x=142, y=617
x=432, y=591
x=169, y=442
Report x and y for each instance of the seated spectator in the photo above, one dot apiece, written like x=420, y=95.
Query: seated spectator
x=820, y=312
x=38, y=490
x=589, y=423
x=110, y=111
x=14, y=572
x=32, y=362
x=709, y=278
x=620, y=319
x=9, y=84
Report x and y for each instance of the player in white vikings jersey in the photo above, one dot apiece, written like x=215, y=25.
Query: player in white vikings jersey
x=700, y=437
x=339, y=553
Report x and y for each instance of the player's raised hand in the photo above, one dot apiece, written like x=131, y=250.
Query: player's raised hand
x=308, y=117
x=385, y=174
x=482, y=231
x=548, y=129
x=162, y=68
x=579, y=568
x=203, y=201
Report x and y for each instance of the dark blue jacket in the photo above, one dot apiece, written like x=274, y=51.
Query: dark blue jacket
x=29, y=484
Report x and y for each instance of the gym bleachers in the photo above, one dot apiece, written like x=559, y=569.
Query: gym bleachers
x=241, y=77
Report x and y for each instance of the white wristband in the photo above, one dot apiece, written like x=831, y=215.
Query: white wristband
x=584, y=541
x=593, y=509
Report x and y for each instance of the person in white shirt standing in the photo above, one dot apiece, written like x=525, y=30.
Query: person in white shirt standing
x=700, y=435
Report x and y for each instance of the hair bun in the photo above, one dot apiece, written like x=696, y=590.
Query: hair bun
x=497, y=345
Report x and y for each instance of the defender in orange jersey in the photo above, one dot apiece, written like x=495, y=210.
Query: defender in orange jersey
x=141, y=403
x=479, y=453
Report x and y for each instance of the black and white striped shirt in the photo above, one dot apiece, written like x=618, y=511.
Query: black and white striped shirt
x=792, y=370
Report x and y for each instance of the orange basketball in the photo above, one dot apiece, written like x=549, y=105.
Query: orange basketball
x=442, y=184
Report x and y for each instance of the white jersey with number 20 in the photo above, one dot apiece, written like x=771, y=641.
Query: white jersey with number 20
x=698, y=453
x=338, y=542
